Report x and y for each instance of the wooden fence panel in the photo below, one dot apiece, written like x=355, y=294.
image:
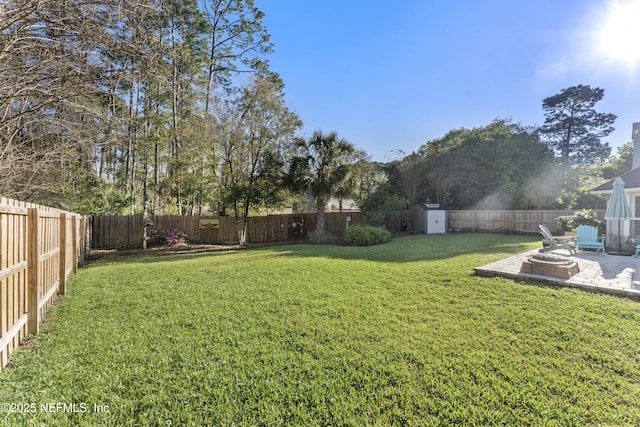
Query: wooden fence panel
x=504, y=221
x=38, y=249
x=337, y=223
x=397, y=220
x=257, y=229
x=49, y=261
x=492, y=221
x=13, y=276
x=119, y=232
x=112, y=232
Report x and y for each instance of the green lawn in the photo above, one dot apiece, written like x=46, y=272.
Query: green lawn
x=398, y=334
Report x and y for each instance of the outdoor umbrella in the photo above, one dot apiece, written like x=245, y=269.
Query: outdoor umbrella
x=617, y=207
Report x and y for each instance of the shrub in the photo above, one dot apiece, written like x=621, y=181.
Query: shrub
x=171, y=237
x=380, y=203
x=582, y=217
x=364, y=235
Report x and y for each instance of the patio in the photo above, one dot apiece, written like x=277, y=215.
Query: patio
x=608, y=274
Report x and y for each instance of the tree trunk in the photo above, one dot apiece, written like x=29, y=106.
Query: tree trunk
x=240, y=218
x=320, y=225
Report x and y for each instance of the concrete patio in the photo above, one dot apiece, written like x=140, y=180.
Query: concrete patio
x=602, y=273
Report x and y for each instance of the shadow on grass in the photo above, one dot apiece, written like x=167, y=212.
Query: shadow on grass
x=429, y=247
x=404, y=249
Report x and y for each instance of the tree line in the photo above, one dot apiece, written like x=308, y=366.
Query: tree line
x=169, y=106
x=105, y=102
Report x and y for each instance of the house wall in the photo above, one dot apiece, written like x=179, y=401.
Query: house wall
x=635, y=136
x=628, y=228
x=633, y=230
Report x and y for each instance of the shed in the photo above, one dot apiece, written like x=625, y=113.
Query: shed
x=428, y=218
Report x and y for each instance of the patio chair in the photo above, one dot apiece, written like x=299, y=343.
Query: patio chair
x=587, y=238
x=555, y=242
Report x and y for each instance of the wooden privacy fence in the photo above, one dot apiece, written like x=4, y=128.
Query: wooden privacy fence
x=505, y=221
x=39, y=248
x=498, y=221
x=113, y=232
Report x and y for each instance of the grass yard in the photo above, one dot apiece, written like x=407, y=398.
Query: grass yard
x=398, y=334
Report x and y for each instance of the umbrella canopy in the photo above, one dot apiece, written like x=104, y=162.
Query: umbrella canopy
x=618, y=207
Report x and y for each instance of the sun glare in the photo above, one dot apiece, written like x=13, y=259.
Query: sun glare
x=619, y=36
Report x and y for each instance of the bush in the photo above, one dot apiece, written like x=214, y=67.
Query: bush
x=361, y=235
x=582, y=217
x=379, y=203
x=171, y=237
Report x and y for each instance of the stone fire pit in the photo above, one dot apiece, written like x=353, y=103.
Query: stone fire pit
x=550, y=265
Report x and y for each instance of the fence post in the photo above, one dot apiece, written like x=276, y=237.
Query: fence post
x=74, y=242
x=82, y=239
x=62, y=288
x=33, y=267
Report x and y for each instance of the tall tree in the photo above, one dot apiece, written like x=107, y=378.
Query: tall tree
x=498, y=166
x=368, y=176
x=185, y=25
x=411, y=175
x=60, y=62
x=618, y=164
x=385, y=198
x=573, y=127
x=321, y=166
x=238, y=42
x=117, y=90
x=256, y=137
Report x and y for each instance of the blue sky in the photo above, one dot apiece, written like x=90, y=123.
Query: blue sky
x=391, y=76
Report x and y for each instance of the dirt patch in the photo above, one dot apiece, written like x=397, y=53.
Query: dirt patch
x=192, y=248
x=181, y=248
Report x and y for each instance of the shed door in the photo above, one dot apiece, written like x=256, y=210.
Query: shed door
x=436, y=223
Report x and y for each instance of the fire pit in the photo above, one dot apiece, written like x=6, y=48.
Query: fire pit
x=550, y=265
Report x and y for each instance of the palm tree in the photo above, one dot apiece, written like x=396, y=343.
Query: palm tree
x=322, y=167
